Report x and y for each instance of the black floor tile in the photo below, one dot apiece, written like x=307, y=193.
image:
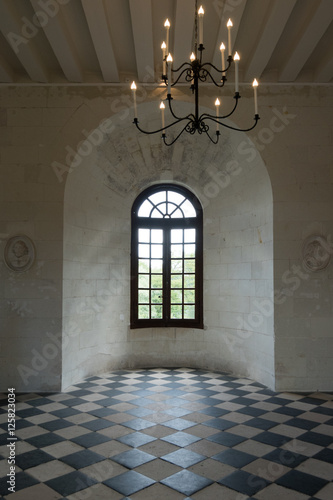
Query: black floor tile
x=214, y=412
x=253, y=412
x=22, y=480
x=45, y=440
x=316, y=438
x=90, y=439
x=65, y=412
x=220, y=423
x=260, y=423
x=29, y=412
x=302, y=423
x=55, y=425
x=244, y=482
x=71, y=483
x=102, y=412
x=304, y=483
x=226, y=439
x=285, y=457
x=326, y=455
x=82, y=459
x=133, y=458
x=271, y=438
x=235, y=458
x=186, y=482
x=129, y=483
x=287, y=410
x=32, y=459
x=98, y=424
x=243, y=400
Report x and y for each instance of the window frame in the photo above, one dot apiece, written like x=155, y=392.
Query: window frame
x=166, y=224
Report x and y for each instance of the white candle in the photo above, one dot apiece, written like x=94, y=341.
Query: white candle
x=162, y=108
x=255, y=86
x=217, y=104
x=133, y=87
x=236, y=59
x=229, y=26
x=163, y=47
x=222, y=49
x=167, y=27
x=201, y=13
x=169, y=61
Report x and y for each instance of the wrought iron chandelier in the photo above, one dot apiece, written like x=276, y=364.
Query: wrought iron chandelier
x=194, y=72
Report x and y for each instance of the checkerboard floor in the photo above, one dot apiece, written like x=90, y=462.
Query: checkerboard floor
x=170, y=434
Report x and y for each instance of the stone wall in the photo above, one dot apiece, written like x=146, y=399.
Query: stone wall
x=71, y=165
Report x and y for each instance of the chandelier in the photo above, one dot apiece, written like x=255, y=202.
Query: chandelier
x=194, y=72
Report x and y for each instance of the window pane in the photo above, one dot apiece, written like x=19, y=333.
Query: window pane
x=189, y=266
x=156, y=312
x=143, y=265
x=189, y=296
x=189, y=250
x=144, y=312
x=144, y=235
x=176, y=281
x=176, y=312
x=156, y=296
x=156, y=266
x=189, y=312
x=143, y=281
x=188, y=209
x=143, y=250
x=176, y=266
x=176, y=236
x=156, y=236
x=176, y=198
x=158, y=197
x=189, y=281
x=156, y=281
x=157, y=251
x=177, y=214
x=176, y=297
x=176, y=251
x=156, y=214
x=189, y=235
x=143, y=296
x=144, y=210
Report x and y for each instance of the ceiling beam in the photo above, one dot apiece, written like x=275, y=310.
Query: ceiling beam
x=100, y=33
x=142, y=25
x=20, y=38
x=275, y=23
x=62, y=45
x=306, y=43
x=235, y=13
x=185, y=14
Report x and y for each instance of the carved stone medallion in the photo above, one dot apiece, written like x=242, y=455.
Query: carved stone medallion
x=19, y=254
x=316, y=253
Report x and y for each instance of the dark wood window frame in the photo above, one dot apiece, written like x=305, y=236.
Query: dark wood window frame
x=167, y=225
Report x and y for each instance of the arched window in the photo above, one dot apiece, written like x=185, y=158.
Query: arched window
x=166, y=258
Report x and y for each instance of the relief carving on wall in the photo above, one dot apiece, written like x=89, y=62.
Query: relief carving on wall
x=19, y=254
x=316, y=253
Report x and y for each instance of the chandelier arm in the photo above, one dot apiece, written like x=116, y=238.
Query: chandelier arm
x=180, y=67
x=178, y=118
x=211, y=139
x=175, y=139
x=223, y=70
x=179, y=76
x=160, y=129
x=204, y=78
x=207, y=115
x=256, y=118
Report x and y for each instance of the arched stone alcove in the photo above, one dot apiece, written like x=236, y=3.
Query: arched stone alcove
x=233, y=185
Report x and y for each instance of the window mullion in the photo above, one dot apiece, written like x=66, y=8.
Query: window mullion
x=167, y=274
